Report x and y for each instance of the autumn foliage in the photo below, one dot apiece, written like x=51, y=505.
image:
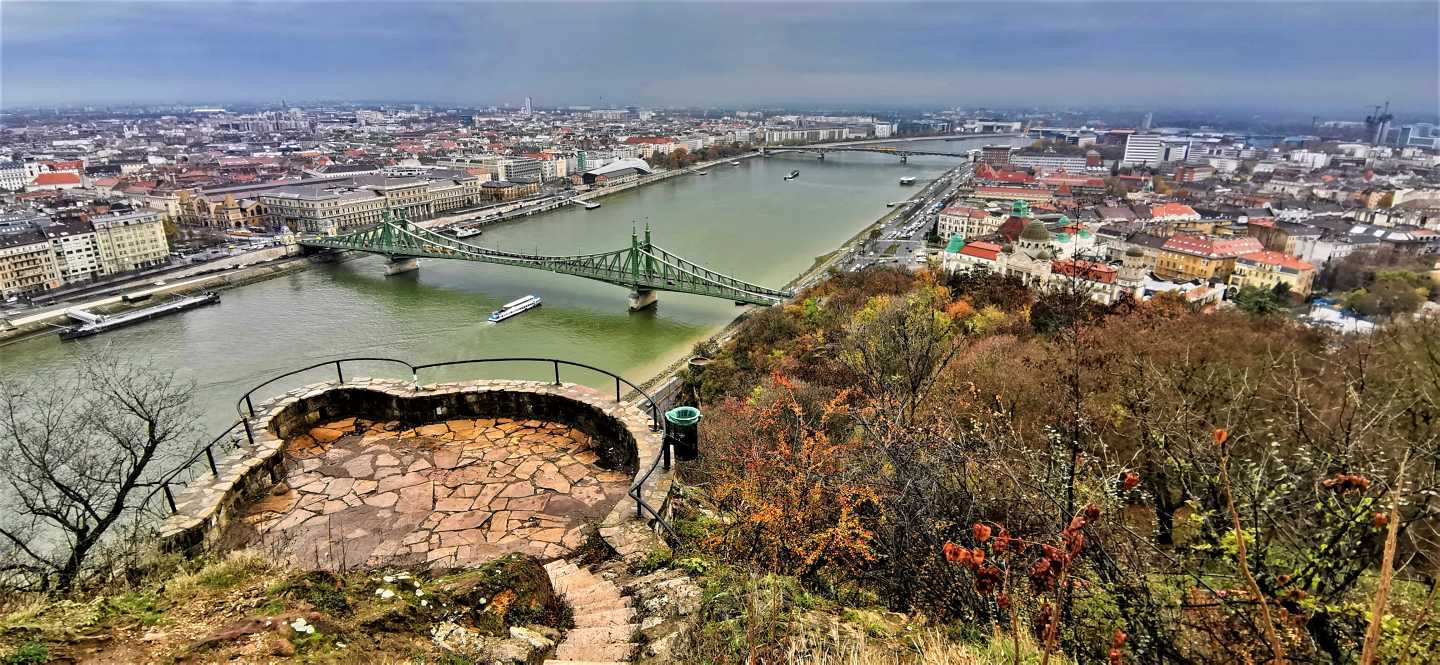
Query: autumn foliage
x=1079, y=476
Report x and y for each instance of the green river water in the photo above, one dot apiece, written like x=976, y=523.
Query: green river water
x=744, y=220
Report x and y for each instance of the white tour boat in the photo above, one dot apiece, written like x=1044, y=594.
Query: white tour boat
x=514, y=307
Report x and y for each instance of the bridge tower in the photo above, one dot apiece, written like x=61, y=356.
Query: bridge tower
x=396, y=265
x=642, y=264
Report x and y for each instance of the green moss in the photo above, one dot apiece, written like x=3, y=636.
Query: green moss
x=29, y=653
x=323, y=591
x=654, y=560
x=141, y=607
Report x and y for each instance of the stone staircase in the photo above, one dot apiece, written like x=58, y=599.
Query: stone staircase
x=604, y=632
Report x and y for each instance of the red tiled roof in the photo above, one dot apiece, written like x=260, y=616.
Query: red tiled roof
x=1095, y=272
x=59, y=178
x=1024, y=192
x=1173, y=210
x=965, y=211
x=1279, y=259
x=638, y=140
x=1212, y=247
x=1057, y=179
x=982, y=250
x=75, y=165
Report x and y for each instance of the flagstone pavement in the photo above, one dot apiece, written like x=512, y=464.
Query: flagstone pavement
x=448, y=494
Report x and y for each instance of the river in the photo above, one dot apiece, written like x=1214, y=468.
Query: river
x=746, y=221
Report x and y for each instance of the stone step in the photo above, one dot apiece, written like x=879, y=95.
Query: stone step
x=557, y=564
x=595, y=652
x=562, y=572
x=602, y=634
x=603, y=617
x=599, y=588
x=602, y=605
x=576, y=587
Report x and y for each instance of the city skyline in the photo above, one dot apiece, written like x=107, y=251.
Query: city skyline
x=1120, y=54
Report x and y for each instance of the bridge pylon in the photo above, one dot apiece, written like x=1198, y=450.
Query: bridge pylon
x=398, y=265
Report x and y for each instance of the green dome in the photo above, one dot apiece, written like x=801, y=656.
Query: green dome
x=1035, y=231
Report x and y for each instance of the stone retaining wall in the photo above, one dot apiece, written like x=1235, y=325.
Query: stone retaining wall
x=621, y=433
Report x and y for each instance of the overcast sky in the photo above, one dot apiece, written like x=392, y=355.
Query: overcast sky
x=1323, y=56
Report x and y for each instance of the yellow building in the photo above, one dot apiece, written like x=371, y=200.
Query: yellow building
x=131, y=241
x=1186, y=256
x=1267, y=269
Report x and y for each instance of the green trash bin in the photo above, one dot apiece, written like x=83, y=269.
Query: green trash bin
x=683, y=432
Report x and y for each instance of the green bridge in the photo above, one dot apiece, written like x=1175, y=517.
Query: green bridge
x=642, y=267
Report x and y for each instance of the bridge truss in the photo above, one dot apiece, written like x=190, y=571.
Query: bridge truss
x=642, y=267
x=821, y=151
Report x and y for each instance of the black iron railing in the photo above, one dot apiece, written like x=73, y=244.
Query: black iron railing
x=245, y=409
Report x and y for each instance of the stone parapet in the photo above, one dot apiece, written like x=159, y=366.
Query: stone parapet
x=622, y=434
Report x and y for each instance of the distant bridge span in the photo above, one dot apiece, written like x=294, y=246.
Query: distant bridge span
x=821, y=151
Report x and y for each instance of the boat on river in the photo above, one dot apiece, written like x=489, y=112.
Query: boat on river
x=467, y=231
x=94, y=324
x=514, y=307
x=908, y=180
x=793, y=175
x=734, y=163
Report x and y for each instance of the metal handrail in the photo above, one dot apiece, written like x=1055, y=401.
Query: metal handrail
x=208, y=451
x=339, y=374
x=635, y=491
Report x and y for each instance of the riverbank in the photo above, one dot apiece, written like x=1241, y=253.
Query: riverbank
x=662, y=384
x=35, y=326
x=662, y=176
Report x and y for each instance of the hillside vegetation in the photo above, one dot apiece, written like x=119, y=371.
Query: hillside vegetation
x=1141, y=483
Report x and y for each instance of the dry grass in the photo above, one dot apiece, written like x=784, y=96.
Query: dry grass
x=842, y=645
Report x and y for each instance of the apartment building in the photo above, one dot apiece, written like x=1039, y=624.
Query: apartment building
x=131, y=241
x=12, y=176
x=1143, y=150
x=27, y=264
x=1266, y=269
x=967, y=222
x=76, y=247
x=1185, y=256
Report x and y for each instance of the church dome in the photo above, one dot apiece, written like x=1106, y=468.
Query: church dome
x=1035, y=231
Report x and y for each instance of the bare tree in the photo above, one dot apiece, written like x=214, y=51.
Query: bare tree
x=82, y=456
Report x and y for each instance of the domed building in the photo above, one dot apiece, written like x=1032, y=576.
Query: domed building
x=1025, y=247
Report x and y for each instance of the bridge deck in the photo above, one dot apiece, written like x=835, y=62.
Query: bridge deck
x=640, y=267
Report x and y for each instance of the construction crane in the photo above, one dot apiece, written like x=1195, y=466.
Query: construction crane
x=1377, y=122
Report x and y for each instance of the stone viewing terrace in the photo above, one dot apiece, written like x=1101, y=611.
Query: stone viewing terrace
x=449, y=494
x=380, y=472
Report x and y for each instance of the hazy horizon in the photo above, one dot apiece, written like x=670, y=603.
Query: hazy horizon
x=1325, y=56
